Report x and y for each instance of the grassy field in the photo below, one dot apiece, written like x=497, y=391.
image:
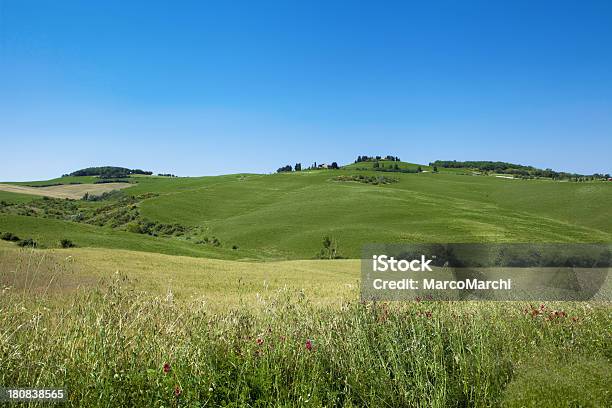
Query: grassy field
x=121, y=328
x=259, y=211
x=223, y=283
x=73, y=191
x=205, y=291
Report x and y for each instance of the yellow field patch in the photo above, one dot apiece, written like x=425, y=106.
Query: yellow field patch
x=220, y=283
x=74, y=191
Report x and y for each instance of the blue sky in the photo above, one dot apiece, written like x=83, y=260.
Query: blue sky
x=198, y=88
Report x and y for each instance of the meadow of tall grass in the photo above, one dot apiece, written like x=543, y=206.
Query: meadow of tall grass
x=118, y=346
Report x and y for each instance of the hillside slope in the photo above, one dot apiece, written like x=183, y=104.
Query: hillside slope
x=286, y=216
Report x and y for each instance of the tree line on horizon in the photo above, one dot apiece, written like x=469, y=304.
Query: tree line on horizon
x=107, y=172
x=314, y=166
x=364, y=158
x=516, y=170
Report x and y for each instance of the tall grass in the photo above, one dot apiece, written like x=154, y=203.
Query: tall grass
x=116, y=346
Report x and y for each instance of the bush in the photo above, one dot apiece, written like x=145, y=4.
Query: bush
x=134, y=227
x=28, y=243
x=367, y=179
x=214, y=241
x=9, y=236
x=330, y=249
x=66, y=243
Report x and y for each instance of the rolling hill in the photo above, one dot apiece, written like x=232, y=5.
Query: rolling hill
x=286, y=215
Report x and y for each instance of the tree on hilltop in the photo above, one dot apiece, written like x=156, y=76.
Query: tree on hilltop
x=286, y=168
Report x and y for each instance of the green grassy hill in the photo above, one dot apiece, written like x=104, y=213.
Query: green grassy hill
x=286, y=216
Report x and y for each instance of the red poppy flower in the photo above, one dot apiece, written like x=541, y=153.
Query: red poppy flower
x=166, y=368
x=308, y=345
x=177, y=391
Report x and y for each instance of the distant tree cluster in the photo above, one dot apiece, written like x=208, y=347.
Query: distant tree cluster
x=108, y=172
x=314, y=166
x=394, y=168
x=283, y=169
x=166, y=175
x=516, y=170
x=376, y=158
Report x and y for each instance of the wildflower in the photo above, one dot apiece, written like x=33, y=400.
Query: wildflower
x=166, y=368
x=260, y=341
x=177, y=391
x=308, y=345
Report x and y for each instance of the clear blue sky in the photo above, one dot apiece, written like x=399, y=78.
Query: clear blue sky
x=199, y=88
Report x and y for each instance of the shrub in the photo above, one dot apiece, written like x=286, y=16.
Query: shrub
x=28, y=243
x=330, y=249
x=134, y=227
x=9, y=236
x=214, y=241
x=108, y=195
x=367, y=179
x=66, y=243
